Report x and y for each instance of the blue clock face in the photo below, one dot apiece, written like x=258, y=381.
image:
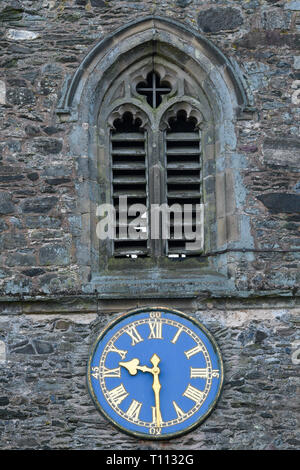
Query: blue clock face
x=155, y=373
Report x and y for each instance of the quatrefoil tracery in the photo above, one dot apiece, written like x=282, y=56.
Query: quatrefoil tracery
x=153, y=88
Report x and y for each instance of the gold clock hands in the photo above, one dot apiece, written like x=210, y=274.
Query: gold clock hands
x=133, y=366
x=155, y=360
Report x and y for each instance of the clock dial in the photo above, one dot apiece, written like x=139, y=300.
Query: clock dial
x=155, y=373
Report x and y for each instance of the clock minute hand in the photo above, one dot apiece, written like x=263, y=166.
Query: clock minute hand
x=155, y=360
x=133, y=366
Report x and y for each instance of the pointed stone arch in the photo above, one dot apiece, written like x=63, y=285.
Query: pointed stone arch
x=208, y=80
x=222, y=74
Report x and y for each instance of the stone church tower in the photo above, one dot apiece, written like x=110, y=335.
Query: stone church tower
x=177, y=101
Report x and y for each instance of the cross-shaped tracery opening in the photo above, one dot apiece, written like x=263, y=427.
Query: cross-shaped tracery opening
x=153, y=89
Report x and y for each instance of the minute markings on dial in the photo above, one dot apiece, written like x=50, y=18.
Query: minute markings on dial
x=116, y=395
x=178, y=396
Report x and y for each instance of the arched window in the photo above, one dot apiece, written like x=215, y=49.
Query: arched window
x=155, y=163
x=153, y=108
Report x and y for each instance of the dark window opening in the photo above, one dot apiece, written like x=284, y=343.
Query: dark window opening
x=129, y=179
x=183, y=164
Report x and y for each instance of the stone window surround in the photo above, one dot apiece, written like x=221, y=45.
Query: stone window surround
x=227, y=98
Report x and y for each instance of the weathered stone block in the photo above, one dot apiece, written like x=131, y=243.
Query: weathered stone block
x=6, y=204
x=52, y=70
x=4, y=400
x=183, y=3
x=54, y=254
x=18, y=82
x=32, y=131
x=20, y=96
x=275, y=19
x=3, y=226
x=11, y=13
x=57, y=181
x=36, y=221
x=33, y=272
x=281, y=202
x=33, y=176
x=21, y=259
x=10, y=241
x=98, y=3
x=218, y=19
x=296, y=64
x=292, y=5
x=23, y=348
x=62, y=325
x=50, y=130
x=254, y=39
x=47, y=86
x=2, y=92
x=21, y=35
x=2, y=352
x=47, y=145
x=42, y=347
x=282, y=151
x=233, y=228
x=39, y=205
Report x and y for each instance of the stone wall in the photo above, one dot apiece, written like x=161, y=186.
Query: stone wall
x=43, y=42
x=44, y=403
x=47, y=325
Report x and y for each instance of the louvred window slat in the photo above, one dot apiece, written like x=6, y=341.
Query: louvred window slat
x=129, y=178
x=183, y=166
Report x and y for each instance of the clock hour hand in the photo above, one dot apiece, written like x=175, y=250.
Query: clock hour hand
x=133, y=366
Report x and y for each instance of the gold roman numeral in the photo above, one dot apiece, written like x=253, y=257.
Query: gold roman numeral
x=134, y=335
x=121, y=352
x=180, y=413
x=199, y=373
x=134, y=409
x=155, y=329
x=118, y=394
x=193, y=394
x=179, y=331
x=193, y=351
x=112, y=372
x=154, y=415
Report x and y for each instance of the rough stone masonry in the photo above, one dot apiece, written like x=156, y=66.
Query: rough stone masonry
x=48, y=319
